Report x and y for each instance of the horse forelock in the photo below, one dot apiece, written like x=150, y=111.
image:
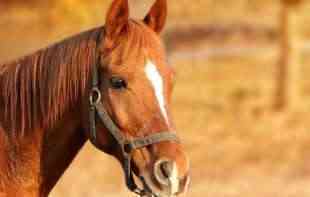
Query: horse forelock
x=137, y=43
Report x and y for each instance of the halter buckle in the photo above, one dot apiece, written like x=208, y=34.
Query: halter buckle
x=95, y=96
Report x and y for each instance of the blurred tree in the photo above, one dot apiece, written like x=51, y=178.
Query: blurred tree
x=288, y=72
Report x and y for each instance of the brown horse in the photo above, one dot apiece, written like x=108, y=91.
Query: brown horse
x=45, y=107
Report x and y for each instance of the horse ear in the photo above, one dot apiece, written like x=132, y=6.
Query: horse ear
x=157, y=16
x=116, y=21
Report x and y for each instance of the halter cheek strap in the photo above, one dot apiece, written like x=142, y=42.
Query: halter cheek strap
x=127, y=146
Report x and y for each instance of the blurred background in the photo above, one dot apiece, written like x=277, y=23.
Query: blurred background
x=242, y=99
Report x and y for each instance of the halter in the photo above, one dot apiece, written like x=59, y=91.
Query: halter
x=127, y=146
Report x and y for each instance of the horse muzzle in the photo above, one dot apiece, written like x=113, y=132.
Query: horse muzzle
x=165, y=180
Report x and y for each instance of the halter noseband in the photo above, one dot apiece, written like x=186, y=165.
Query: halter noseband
x=127, y=146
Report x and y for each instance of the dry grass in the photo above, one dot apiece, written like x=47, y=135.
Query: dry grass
x=237, y=146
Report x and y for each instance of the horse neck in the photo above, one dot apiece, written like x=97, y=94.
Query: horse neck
x=60, y=146
x=45, y=150
x=32, y=165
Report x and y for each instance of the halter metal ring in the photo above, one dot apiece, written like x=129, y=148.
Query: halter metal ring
x=95, y=96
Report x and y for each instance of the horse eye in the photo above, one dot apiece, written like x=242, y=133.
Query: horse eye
x=118, y=83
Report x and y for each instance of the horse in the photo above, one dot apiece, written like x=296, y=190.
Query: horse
x=111, y=85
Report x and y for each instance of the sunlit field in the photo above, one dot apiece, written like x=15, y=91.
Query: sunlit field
x=222, y=104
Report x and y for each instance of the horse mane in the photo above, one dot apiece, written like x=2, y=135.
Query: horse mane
x=38, y=88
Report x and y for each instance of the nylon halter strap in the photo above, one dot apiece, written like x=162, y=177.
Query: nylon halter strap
x=97, y=110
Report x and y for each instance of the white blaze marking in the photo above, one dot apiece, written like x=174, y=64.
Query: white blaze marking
x=173, y=179
x=158, y=85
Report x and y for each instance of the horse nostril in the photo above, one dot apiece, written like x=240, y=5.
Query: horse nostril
x=163, y=171
x=166, y=168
